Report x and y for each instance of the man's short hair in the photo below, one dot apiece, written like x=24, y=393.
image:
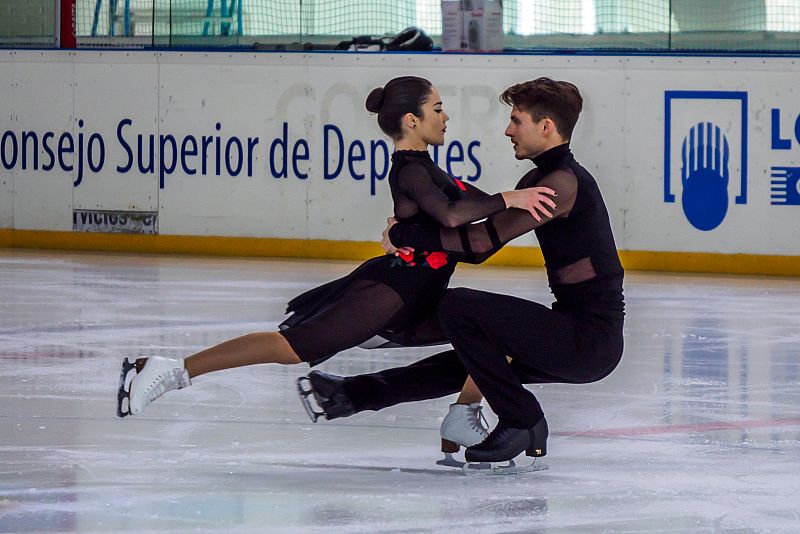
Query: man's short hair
x=560, y=101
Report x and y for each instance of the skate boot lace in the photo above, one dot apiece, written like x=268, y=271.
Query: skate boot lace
x=166, y=381
x=478, y=421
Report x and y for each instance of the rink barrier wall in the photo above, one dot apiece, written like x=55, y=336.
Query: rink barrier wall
x=748, y=264
x=273, y=154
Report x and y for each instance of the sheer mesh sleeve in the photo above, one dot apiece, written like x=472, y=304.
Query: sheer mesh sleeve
x=478, y=242
x=475, y=192
x=415, y=183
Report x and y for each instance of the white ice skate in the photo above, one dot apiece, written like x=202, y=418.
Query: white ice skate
x=464, y=426
x=145, y=379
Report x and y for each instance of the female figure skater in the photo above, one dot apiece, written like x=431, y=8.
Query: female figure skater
x=393, y=297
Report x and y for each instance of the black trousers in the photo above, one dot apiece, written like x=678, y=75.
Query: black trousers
x=565, y=345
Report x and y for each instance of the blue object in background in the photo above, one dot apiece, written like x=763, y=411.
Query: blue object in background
x=704, y=176
x=785, y=186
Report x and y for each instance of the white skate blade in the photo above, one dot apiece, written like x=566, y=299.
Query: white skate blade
x=501, y=468
x=377, y=342
x=450, y=461
x=306, y=394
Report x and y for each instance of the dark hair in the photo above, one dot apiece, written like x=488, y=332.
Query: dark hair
x=399, y=96
x=543, y=97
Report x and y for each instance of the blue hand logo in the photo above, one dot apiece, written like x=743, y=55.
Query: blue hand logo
x=704, y=174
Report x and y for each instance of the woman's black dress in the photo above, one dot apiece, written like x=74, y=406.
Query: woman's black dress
x=389, y=296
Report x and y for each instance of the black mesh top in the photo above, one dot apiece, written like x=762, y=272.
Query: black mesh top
x=577, y=243
x=424, y=193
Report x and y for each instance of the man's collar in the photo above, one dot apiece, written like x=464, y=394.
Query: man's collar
x=552, y=158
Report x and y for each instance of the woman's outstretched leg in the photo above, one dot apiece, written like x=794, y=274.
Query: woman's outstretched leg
x=362, y=312
x=145, y=379
x=250, y=349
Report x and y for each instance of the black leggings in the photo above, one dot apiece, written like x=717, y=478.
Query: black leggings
x=545, y=345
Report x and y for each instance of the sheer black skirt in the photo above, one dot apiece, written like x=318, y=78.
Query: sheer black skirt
x=385, y=296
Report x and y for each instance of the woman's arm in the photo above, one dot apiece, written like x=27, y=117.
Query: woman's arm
x=479, y=241
x=473, y=190
x=417, y=184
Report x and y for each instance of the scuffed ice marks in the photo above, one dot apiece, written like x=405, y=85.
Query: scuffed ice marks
x=696, y=431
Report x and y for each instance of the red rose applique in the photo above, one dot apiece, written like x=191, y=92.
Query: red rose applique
x=436, y=259
x=408, y=258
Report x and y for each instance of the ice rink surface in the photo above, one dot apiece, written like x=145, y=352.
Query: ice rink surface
x=698, y=429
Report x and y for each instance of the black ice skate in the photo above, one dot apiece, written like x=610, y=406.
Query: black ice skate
x=329, y=394
x=505, y=443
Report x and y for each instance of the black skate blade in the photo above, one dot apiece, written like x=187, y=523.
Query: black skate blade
x=502, y=468
x=123, y=408
x=305, y=395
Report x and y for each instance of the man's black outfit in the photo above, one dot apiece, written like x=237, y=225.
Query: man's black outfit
x=578, y=340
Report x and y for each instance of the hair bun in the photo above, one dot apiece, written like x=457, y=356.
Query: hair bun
x=375, y=100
